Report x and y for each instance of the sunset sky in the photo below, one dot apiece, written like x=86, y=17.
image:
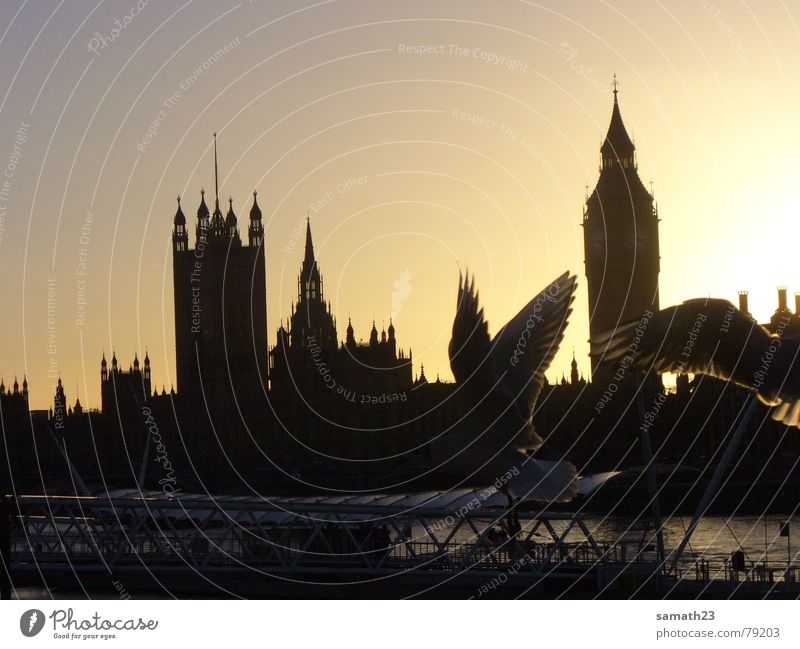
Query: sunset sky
x=421, y=136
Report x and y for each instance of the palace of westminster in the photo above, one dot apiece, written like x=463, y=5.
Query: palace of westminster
x=316, y=405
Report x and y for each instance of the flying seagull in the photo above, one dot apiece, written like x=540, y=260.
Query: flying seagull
x=711, y=336
x=500, y=380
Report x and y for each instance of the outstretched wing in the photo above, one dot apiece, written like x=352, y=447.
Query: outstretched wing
x=523, y=350
x=469, y=344
x=707, y=336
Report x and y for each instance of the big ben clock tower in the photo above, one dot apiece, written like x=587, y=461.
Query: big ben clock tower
x=620, y=238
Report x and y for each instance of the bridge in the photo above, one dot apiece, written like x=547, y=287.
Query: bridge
x=390, y=543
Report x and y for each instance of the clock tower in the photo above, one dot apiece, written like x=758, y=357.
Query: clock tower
x=620, y=237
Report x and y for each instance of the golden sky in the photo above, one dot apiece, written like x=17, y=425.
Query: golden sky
x=422, y=137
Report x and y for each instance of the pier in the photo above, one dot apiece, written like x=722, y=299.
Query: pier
x=458, y=544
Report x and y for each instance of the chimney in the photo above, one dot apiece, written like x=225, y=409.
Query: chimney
x=797, y=303
x=782, y=298
x=743, y=302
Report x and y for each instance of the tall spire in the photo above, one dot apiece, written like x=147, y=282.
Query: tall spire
x=216, y=172
x=309, y=256
x=618, y=146
x=310, y=281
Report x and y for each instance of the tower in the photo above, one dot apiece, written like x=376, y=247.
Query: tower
x=59, y=406
x=574, y=378
x=312, y=317
x=256, y=230
x=620, y=237
x=220, y=306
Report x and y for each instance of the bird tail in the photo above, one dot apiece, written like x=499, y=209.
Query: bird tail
x=544, y=481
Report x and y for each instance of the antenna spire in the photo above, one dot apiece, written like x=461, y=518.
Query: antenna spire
x=216, y=173
x=615, y=86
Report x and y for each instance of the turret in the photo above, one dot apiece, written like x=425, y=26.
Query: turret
x=60, y=405
x=231, y=222
x=574, y=377
x=180, y=238
x=373, y=335
x=256, y=230
x=202, y=218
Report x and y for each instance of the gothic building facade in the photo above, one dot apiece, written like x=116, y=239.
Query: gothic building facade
x=220, y=307
x=310, y=360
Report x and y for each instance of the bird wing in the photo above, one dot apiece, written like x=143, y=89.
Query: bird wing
x=469, y=344
x=523, y=350
x=701, y=336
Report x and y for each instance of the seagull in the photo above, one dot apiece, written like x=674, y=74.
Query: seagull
x=711, y=336
x=500, y=380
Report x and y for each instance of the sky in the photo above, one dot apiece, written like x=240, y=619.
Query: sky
x=420, y=137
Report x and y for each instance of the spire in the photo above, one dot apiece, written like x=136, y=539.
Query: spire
x=202, y=210
x=373, y=335
x=573, y=375
x=309, y=256
x=618, y=146
x=217, y=222
x=180, y=239
x=256, y=230
x=230, y=220
x=310, y=278
x=255, y=211
x=180, y=219
x=216, y=174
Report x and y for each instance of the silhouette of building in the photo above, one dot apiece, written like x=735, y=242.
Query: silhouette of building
x=620, y=235
x=309, y=359
x=14, y=402
x=122, y=391
x=220, y=307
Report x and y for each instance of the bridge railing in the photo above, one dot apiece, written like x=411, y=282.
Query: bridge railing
x=237, y=533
